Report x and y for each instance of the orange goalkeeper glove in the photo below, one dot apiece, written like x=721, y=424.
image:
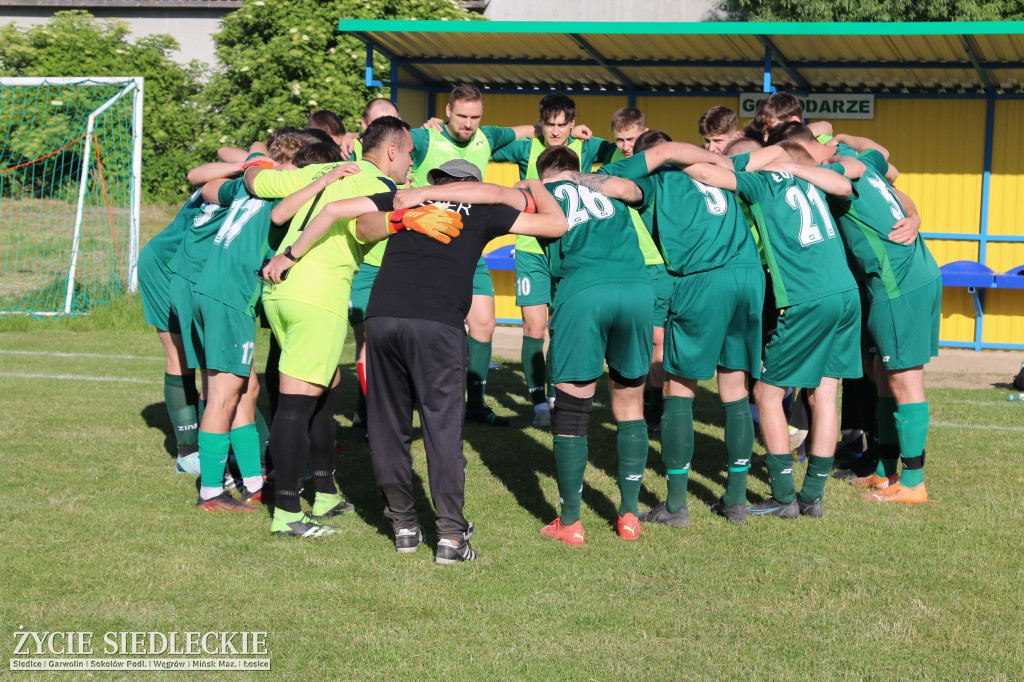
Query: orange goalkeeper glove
x=436, y=223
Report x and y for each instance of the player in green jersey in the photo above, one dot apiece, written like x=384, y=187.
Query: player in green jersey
x=816, y=341
x=706, y=244
x=462, y=137
x=628, y=123
x=603, y=311
x=557, y=119
x=903, y=288
x=718, y=126
x=307, y=315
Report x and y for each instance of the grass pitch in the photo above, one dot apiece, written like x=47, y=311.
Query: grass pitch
x=99, y=535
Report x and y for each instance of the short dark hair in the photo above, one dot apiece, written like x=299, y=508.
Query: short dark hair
x=382, y=132
x=778, y=106
x=627, y=117
x=790, y=130
x=741, y=145
x=326, y=121
x=557, y=103
x=797, y=152
x=718, y=121
x=652, y=138
x=319, y=135
x=445, y=179
x=465, y=93
x=317, y=153
x=557, y=159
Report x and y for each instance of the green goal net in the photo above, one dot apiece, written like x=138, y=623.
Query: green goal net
x=70, y=153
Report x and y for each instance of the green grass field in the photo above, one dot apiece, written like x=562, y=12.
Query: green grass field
x=99, y=535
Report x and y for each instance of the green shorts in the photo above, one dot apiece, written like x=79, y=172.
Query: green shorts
x=533, y=279
x=311, y=339
x=181, y=295
x=815, y=339
x=155, y=288
x=714, y=320
x=362, y=283
x=225, y=337
x=610, y=322
x=906, y=329
x=483, y=285
x=662, y=282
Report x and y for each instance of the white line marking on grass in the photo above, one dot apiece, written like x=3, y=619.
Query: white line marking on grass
x=78, y=378
x=977, y=427
x=79, y=355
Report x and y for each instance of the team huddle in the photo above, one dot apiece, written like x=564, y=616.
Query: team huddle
x=774, y=258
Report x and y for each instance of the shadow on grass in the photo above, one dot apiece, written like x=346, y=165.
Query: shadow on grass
x=155, y=416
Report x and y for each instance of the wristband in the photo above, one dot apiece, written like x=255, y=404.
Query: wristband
x=395, y=221
x=531, y=203
x=259, y=162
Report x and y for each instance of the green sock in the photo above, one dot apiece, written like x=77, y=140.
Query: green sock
x=181, y=411
x=213, y=455
x=476, y=375
x=324, y=502
x=245, y=442
x=888, y=438
x=912, y=424
x=739, y=446
x=632, y=449
x=264, y=433
x=818, y=471
x=677, y=449
x=534, y=368
x=570, y=461
x=780, y=475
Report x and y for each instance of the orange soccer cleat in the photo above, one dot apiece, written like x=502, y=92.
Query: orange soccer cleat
x=898, y=493
x=628, y=526
x=874, y=481
x=570, y=535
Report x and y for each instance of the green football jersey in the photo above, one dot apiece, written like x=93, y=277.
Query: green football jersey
x=886, y=268
x=161, y=248
x=696, y=227
x=805, y=254
x=191, y=255
x=600, y=246
x=239, y=247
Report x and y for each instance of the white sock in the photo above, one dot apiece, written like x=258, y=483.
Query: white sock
x=207, y=493
x=253, y=483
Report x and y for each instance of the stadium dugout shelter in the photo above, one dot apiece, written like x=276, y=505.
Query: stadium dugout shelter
x=946, y=99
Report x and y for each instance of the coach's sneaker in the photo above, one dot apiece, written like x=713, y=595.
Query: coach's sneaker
x=328, y=506
x=452, y=552
x=772, y=507
x=680, y=518
x=408, y=539
x=299, y=525
x=874, y=481
x=570, y=535
x=812, y=508
x=898, y=493
x=541, y=416
x=485, y=415
x=628, y=526
x=734, y=513
x=187, y=464
x=224, y=502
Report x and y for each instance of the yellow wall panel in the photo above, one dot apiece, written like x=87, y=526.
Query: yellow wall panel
x=678, y=116
x=1003, y=256
x=949, y=250
x=1004, y=322
x=957, y=315
x=1007, y=181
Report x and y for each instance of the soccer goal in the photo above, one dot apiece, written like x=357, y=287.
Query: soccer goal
x=70, y=163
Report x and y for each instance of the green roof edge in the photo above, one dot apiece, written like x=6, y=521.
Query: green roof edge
x=690, y=28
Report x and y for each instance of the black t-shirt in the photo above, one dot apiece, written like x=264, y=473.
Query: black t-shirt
x=424, y=279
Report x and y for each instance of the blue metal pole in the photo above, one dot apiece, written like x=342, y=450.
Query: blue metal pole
x=768, y=87
x=986, y=178
x=370, y=82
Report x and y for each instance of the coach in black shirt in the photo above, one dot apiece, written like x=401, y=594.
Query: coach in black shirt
x=416, y=345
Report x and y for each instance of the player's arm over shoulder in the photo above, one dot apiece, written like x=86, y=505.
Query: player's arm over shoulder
x=547, y=221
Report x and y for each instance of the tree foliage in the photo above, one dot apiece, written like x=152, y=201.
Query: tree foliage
x=73, y=43
x=883, y=10
x=282, y=59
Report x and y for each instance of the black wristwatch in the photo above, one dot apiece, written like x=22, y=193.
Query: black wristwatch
x=288, y=254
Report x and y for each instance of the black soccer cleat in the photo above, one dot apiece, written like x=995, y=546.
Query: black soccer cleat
x=408, y=539
x=812, y=508
x=772, y=507
x=734, y=513
x=680, y=518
